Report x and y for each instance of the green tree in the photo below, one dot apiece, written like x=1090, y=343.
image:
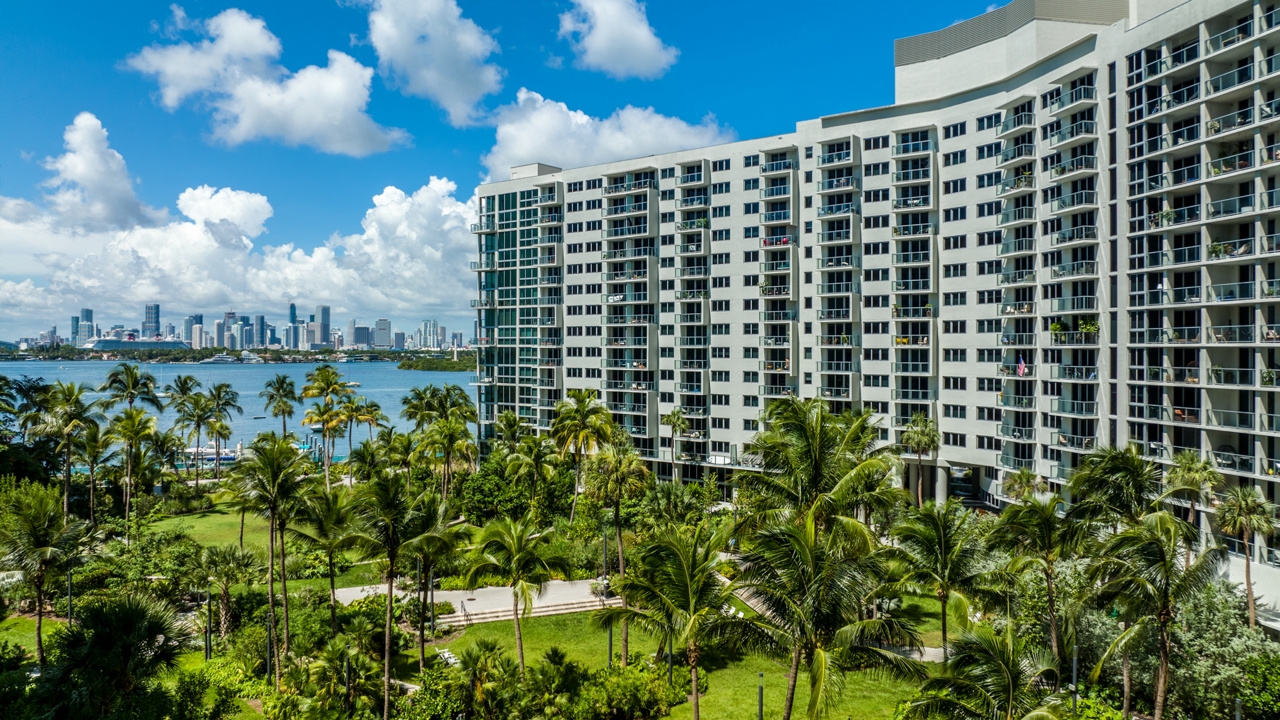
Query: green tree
x=581, y=424
x=679, y=425
x=181, y=389
x=225, y=566
x=328, y=418
x=533, y=464
x=443, y=535
x=1023, y=483
x=510, y=429
x=990, y=676
x=520, y=554
x=130, y=384
x=94, y=450
x=131, y=427
x=1114, y=484
x=326, y=522
x=224, y=400
x=942, y=553
x=194, y=415
x=920, y=437
x=67, y=415
x=1193, y=479
x=1244, y=513
x=449, y=444
x=37, y=539
x=1140, y=569
x=280, y=395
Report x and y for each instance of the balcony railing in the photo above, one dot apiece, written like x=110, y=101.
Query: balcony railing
x=908, y=203
x=775, y=216
x=1075, y=164
x=1084, y=127
x=1228, y=292
x=834, y=158
x=839, y=183
x=1232, y=333
x=1235, y=377
x=775, y=191
x=1015, y=277
x=628, y=187
x=913, y=174
x=1013, y=215
x=1074, y=337
x=1228, y=122
x=1085, y=408
x=1075, y=234
x=1229, y=79
x=1227, y=38
x=1015, y=183
x=1014, y=122
x=1077, y=373
x=625, y=231
x=1075, y=199
x=910, y=148
x=693, y=201
x=1074, y=269
x=915, y=229
x=1080, y=94
x=1017, y=151
x=777, y=166
x=836, y=209
x=831, y=236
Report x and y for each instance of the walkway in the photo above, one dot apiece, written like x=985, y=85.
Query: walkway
x=494, y=603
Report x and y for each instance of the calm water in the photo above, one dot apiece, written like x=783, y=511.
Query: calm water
x=380, y=382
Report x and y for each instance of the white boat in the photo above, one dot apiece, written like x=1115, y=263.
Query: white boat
x=220, y=358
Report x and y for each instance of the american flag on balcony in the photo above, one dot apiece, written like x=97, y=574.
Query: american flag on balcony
x=1022, y=367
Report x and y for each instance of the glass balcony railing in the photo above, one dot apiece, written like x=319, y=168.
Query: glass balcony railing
x=838, y=288
x=1080, y=129
x=1075, y=164
x=778, y=166
x=1222, y=166
x=1232, y=333
x=906, y=203
x=1013, y=215
x=912, y=174
x=913, y=229
x=1075, y=199
x=1085, y=408
x=1236, y=377
x=1230, y=79
x=836, y=209
x=834, y=314
x=775, y=191
x=1231, y=249
x=834, y=158
x=1067, y=99
x=1186, y=294
x=1078, y=373
x=694, y=201
x=1228, y=38
x=1075, y=234
x=775, y=216
x=1014, y=122
x=1015, y=183
x=910, y=148
x=1228, y=292
x=1017, y=247
x=831, y=236
x=628, y=187
x=1228, y=122
x=910, y=258
x=1075, y=269
x=1017, y=151
x=1016, y=277
x=839, y=183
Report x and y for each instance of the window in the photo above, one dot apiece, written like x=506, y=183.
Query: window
x=951, y=131
x=750, y=160
x=573, y=310
x=750, y=353
x=573, y=206
x=989, y=297
x=720, y=188
x=752, y=184
x=594, y=267
x=747, y=329
x=954, y=270
x=988, y=385
x=593, y=309
x=593, y=225
x=720, y=329
x=953, y=186
x=808, y=230
x=953, y=383
x=873, y=169
x=720, y=352
x=573, y=269
x=988, y=267
x=573, y=227
x=749, y=305
x=988, y=443
x=953, y=439
x=990, y=179
x=986, y=122
x=719, y=306
x=574, y=330
x=953, y=242
x=719, y=376
x=594, y=184
x=988, y=151
x=666, y=194
x=879, y=195
x=989, y=355
x=952, y=214
x=667, y=239
x=955, y=298
x=808, y=152
x=573, y=372
x=750, y=280
x=750, y=232
x=719, y=165
x=875, y=274
x=577, y=186
x=751, y=425
x=954, y=354
x=720, y=259
x=989, y=237
x=987, y=209
x=719, y=423
x=750, y=401
x=751, y=208
x=953, y=327
x=875, y=381
x=666, y=262
x=666, y=217
x=717, y=235
x=875, y=301
x=953, y=158
x=875, y=221
x=990, y=414
x=875, y=248
x=875, y=143
x=719, y=282
x=719, y=399
x=875, y=328
x=954, y=411
x=665, y=173
x=808, y=176
x=750, y=376
x=988, y=326
x=720, y=211
x=666, y=284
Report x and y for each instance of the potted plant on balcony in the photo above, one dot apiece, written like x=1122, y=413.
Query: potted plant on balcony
x=1216, y=251
x=1057, y=327
x=1216, y=370
x=1089, y=326
x=1214, y=126
x=1268, y=377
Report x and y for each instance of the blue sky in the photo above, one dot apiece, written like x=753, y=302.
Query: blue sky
x=277, y=124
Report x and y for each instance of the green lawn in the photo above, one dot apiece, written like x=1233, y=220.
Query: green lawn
x=219, y=526
x=732, y=681
x=924, y=612
x=21, y=630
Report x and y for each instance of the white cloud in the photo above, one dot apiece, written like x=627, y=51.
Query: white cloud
x=234, y=69
x=614, y=37
x=535, y=129
x=409, y=261
x=427, y=49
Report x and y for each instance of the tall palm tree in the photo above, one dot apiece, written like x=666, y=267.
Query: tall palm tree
x=272, y=476
x=280, y=395
x=582, y=422
x=449, y=443
x=131, y=427
x=168, y=447
x=325, y=522
x=678, y=597
x=443, y=536
x=224, y=399
x=328, y=419
x=519, y=553
x=532, y=464
x=370, y=413
x=679, y=425
x=220, y=431
x=194, y=415
x=180, y=389
x=366, y=460
x=391, y=525
x=130, y=384
x=1193, y=479
x=94, y=450
x=807, y=588
x=1038, y=537
x=1023, y=483
x=68, y=414
x=225, y=566
x=1244, y=513
x=38, y=539
x=616, y=473
x=510, y=429
x=920, y=437
x=1114, y=484
x=1140, y=568
x=990, y=675
x=941, y=550
x=349, y=410
x=419, y=406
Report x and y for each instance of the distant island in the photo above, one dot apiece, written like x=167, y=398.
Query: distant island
x=434, y=360
x=466, y=362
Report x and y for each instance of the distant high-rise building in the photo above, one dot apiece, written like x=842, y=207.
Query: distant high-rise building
x=151, y=321
x=196, y=336
x=293, y=314
x=430, y=334
x=168, y=330
x=260, y=330
x=443, y=334
x=456, y=340
x=382, y=333
x=397, y=340
x=86, y=315
x=75, y=329
x=198, y=318
x=322, y=320
x=219, y=333
x=188, y=323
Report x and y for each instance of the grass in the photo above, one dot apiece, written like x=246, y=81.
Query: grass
x=924, y=612
x=21, y=630
x=732, y=681
x=219, y=526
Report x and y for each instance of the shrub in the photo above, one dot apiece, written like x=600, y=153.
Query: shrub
x=435, y=699
x=1260, y=692
x=12, y=656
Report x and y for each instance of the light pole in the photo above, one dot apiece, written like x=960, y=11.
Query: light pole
x=1075, y=692
x=604, y=565
x=68, y=594
x=759, y=698
x=208, y=625
x=271, y=626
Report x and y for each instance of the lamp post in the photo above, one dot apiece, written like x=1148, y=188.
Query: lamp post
x=759, y=697
x=208, y=624
x=271, y=627
x=604, y=565
x=1075, y=691
x=68, y=594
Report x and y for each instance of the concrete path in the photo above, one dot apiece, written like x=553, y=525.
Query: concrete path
x=490, y=599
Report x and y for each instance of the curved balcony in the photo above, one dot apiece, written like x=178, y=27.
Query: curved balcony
x=1068, y=100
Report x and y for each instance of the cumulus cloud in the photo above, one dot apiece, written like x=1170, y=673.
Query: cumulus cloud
x=615, y=37
x=234, y=69
x=409, y=260
x=535, y=129
x=427, y=49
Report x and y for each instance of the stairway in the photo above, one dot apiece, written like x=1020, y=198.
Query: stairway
x=463, y=619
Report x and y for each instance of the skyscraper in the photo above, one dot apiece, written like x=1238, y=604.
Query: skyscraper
x=196, y=336
x=87, y=331
x=260, y=330
x=219, y=333
x=382, y=333
x=322, y=324
x=151, y=321
x=75, y=330
x=293, y=314
x=397, y=340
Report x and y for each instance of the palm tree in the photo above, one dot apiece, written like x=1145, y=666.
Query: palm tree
x=1243, y=512
x=678, y=597
x=37, y=540
x=582, y=422
x=1114, y=484
x=1024, y=483
x=67, y=416
x=990, y=675
x=518, y=553
x=941, y=550
x=448, y=442
x=325, y=522
x=679, y=425
x=328, y=418
x=807, y=588
x=349, y=410
x=1140, y=569
x=113, y=653
x=370, y=413
x=129, y=384
x=326, y=384
x=94, y=450
x=131, y=427
x=363, y=462
x=1039, y=538
x=272, y=477
x=224, y=399
x=1193, y=479
x=920, y=437
x=509, y=429
x=181, y=389
x=225, y=566
x=166, y=446
x=220, y=431
x=443, y=535
x=617, y=473
x=280, y=395
x=194, y=415
x=419, y=406
x=532, y=464
x=391, y=525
